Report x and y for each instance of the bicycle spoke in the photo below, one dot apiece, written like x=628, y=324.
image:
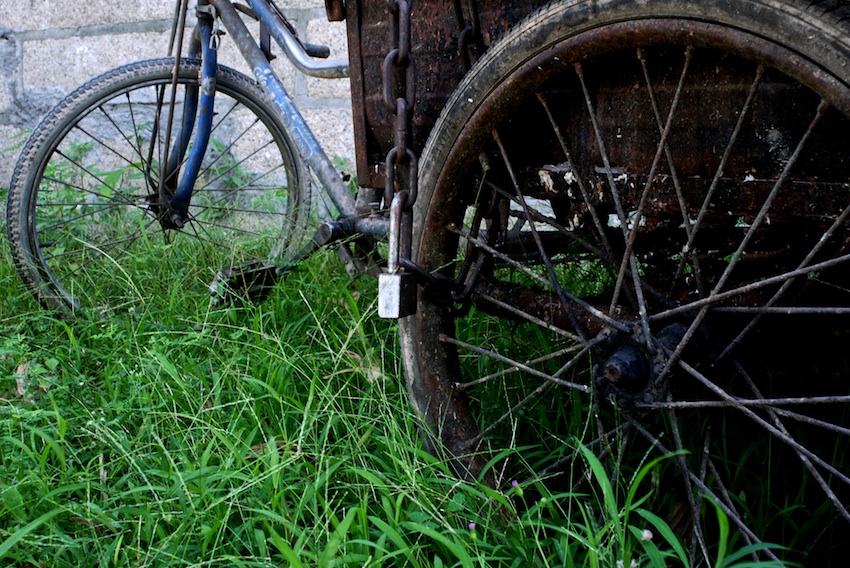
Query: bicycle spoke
x=512, y=370
x=821, y=242
x=522, y=366
x=615, y=195
x=721, y=167
x=521, y=267
x=101, y=252
x=88, y=171
x=235, y=167
x=136, y=150
x=91, y=215
x=549, y=381
x=762, y=214
x=804, y=458
x=677, y=184
x=689, y=488
x=537, y=216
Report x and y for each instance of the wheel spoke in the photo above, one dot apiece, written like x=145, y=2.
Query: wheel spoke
x=585, y=194
x=748, y=403
x=822, y=241
x=546, y=260
x=100, y=252
x=680, y=196
x=679, y=457
x=733, y=516
x=246, y=186
x=733, y=403
x=615, y=195
x=538, y=217
x=528, y=317
x=92, y=213
x=803, y=457
x=759, y=219
x=522, y=366
x=719, y=171
x=762, y=214
x=521, y=267
x=718, y=298
x=136, y=150
x=628, y=255
x=510, y=370
x=96, y=177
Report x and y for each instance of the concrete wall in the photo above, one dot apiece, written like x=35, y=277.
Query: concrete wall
x=49, y=47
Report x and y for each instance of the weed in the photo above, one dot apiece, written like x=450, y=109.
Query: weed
x=277, y=434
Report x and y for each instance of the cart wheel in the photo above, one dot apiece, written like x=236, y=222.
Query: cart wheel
x=635, y=218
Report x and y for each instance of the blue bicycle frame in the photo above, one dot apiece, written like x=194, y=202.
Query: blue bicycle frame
x=199, y=105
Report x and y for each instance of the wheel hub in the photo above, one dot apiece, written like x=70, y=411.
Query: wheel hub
x=630, y=364
x=168, y=218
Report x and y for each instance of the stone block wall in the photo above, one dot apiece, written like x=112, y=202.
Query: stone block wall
x=49, y=47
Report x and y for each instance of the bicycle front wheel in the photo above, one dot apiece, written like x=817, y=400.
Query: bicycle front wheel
x=86, y=220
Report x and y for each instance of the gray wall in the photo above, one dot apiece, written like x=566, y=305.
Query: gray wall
x=49, y=47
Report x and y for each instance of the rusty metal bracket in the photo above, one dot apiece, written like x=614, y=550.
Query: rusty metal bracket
x=335, y=10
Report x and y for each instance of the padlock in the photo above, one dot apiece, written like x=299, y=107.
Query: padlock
x=396, y=287
x=396, y=295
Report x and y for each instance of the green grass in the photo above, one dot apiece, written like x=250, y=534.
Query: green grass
x=268, y=435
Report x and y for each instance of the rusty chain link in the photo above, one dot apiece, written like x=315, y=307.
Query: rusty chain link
x=399, y=93
x=469, y=36
x=399, y=96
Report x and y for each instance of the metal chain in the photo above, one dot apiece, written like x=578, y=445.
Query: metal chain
x=401, y=165
x=399, y=93
x=469, y=36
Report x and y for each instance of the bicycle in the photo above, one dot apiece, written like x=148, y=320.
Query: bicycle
x=617, y=202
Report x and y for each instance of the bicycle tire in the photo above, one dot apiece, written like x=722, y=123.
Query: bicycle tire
x=84, y=219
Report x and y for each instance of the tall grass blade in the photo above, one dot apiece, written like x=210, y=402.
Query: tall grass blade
x=10, y=542
x=337, y=537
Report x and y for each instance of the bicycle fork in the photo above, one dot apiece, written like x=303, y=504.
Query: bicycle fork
x=199, y=105
x=173, y=191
